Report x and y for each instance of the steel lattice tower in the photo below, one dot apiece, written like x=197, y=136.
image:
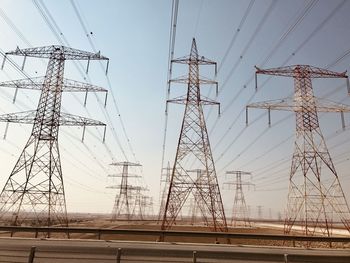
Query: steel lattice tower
x=165, y=180
x=260, y=212
x=123, y=205
x=194, y=143
x=139, y=202
x=193, y=211
x=34, y=191
x=194, y=206
x=147, y=206
x=239, y=209
x=315, y=199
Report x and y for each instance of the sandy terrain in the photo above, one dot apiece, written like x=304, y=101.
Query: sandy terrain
x=105, y=222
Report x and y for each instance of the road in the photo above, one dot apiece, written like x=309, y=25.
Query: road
x=94, y=251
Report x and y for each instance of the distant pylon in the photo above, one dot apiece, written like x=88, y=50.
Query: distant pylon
x=34, y=192
x=239, y=210
x=194, y=144
x=260, y=211
x=164, y=181
x=123, y=206
x=314, y=201
x=147, y=207
x=139, y=204
x=195, y=203
x=192, y=215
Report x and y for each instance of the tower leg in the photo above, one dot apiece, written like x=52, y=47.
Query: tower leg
x=34, y=192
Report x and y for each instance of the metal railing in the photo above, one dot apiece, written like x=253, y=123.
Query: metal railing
x=161, y=234
x=123, y=255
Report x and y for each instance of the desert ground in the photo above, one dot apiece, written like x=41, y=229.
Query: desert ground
x=104, y=221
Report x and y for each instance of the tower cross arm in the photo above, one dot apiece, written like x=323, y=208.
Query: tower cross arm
x=203, y=101
x=186, y=80
x=37, y=84
x=137, y=188
x=77, y=86
x=178, y=100
x=28, y=117
x=238, y=172
x=290, y=104
x=125, y=164
x=129, y=187
x=121, y=175
x=67, y=119
x=207, y=101
x=300, y=71
x=201, y=60
x=239, y=183
x=113, y=187
x=67, y=52
x=25, y=117
x=32, y=83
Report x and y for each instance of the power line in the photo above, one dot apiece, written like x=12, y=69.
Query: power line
x=337, y=60
x=88, y=35
x=198, y=17
x=235, y=35
x=13, y=64
x=249, y=42
x=51, y=23
x=91, y=42
x=13, y=27
x=298, y=48
x=284, y=36
x=172, y=37
x=228, y=50
x=286, y=160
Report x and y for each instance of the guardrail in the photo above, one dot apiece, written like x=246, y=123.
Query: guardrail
x=170, y=233
x=122, y=255
x=118, y=254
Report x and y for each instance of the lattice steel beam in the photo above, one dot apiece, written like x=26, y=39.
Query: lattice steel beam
x=194, y=143
x=315, y=197
x=34, y=192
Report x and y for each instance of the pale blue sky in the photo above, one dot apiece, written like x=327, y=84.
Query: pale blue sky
x=135, y=36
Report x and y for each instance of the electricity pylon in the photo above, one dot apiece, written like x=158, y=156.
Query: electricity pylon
x=193, y=211
x=123, y=205
x=313, y=200
x=147, y=207
x=260, y=211
x=194, y=144
x=193, y=205
x=164, y=180
x=239, y=209
x=34, y=192
x=139, y=202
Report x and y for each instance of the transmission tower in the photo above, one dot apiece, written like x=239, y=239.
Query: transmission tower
x=164, y=180
x=194, y=205
x=139, y=200
x=34, y=191
x=239, y=210
x=314, y=201
x=194, y=143
x=123, y=204
x=193, y=211
x=260, y=212
x=147, y=206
